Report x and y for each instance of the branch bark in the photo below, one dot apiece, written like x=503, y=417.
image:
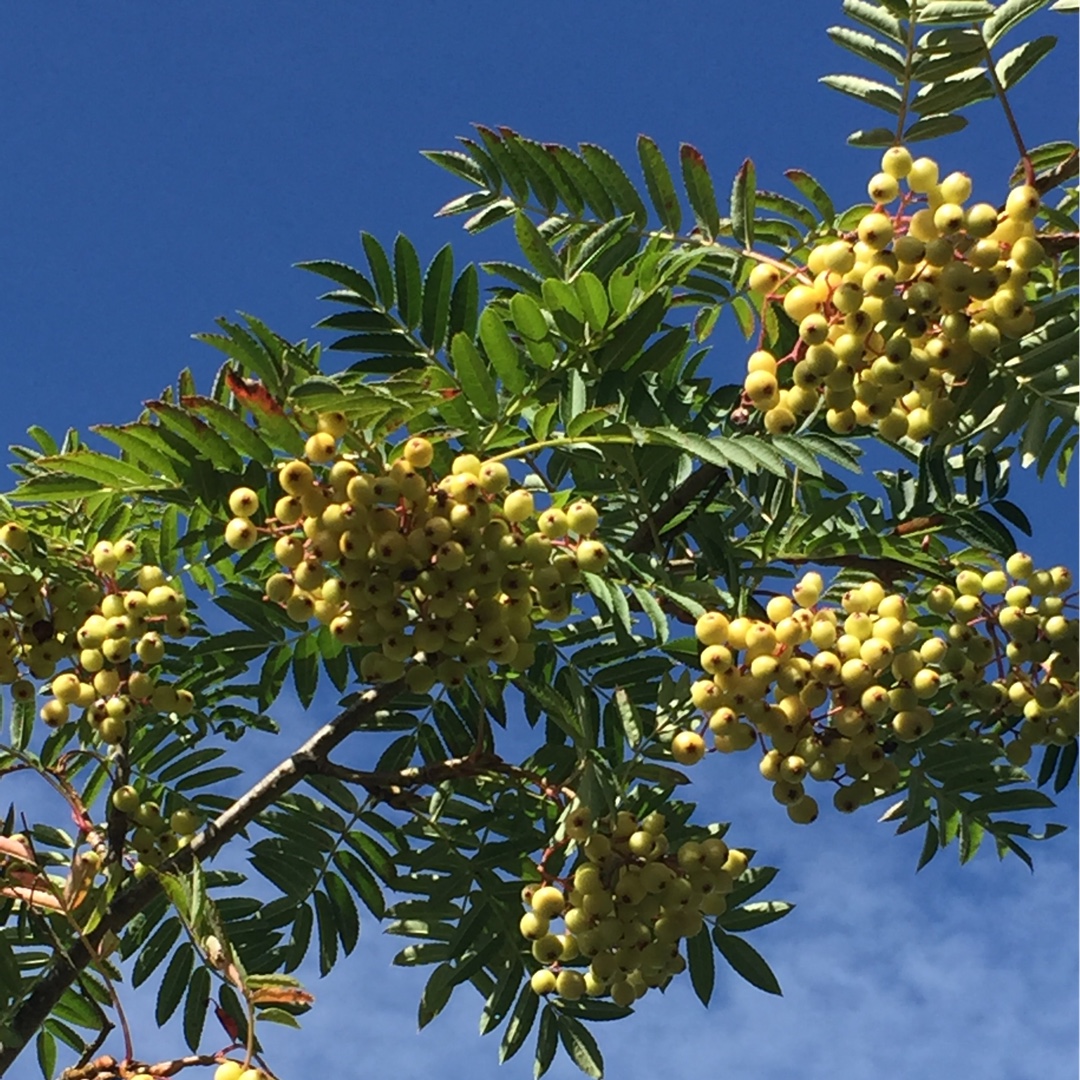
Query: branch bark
x=699, y=481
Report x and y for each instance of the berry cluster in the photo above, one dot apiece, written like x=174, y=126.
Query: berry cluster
x=625, y=907
x=153, y=837
x=114, y=637
x=832, y=694
x=893, y=317
x=452, y=569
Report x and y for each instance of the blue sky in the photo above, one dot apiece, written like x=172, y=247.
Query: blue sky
x=166, y=164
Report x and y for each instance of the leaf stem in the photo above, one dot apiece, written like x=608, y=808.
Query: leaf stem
x=999, y=90
x=901, y=117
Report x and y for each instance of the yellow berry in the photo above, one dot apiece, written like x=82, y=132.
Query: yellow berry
x=1022, y=203
x=762, y=389
x=876, y=230
x=923, y=174
x=243, y=502
x=956, y=187
x=547, y=902
x=896, y=162
x=801, y=301
x=883, y=188
x=320, y=448
x=335, y=424
x=688, y=748
x=240, y=534
x=764, y=278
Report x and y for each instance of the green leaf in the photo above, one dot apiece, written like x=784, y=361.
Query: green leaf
x=534, y=247
x=278, y=1016
x=464, y=302
x=945, y=52
x=474, y=377
x=501, y=350
x=872, y=15
x=869, y=48
x=749, y=884
x=699, y=956
x=535, y=165
x=952, y=11
x=501, y=998
x=380, y=270
x=699, y=189
x=344, y=275
x=751, y=916
x=611, y=174
x=547, y=1042
x=438, y=282
x=1066, y=766
x=326, y=924
x=362, y=881
x=743, y=195
x=579, y=1043
x=198, y=1000
x=155, y=950
x=792, y=447
x=810, y=189
x=872, y=137
x=562, y=301
x=930, y=846
x=954, y=92
x=490, y=215
x=971, y=836
x=1016, y=63
x=144, y=443
x=592, y=1009
x=407, y=281
x=629, y=337
x=461, y=165
x=629, y=717
x=582, y=179
x=1049, y=761
x=22, y=723
x=931, y=127
x=587, y=419
x=873, y=93
x=174, y=982
x=306, y=668
x=45, y=1045
x=507, y=164
x=746, y=961
x=113, y=474
x=1008, y=15
x=520, y=1024
x=667, y=347
x=199, y=435
x=659, y=184
x=245, y=439
x=655, y=612
x=528, y=317
x=1023, y=799
x=835, y=450
x=593, y=298
x=240, y=345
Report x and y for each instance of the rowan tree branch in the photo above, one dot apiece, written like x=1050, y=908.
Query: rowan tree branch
x=699, y=481
x=133, y=898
